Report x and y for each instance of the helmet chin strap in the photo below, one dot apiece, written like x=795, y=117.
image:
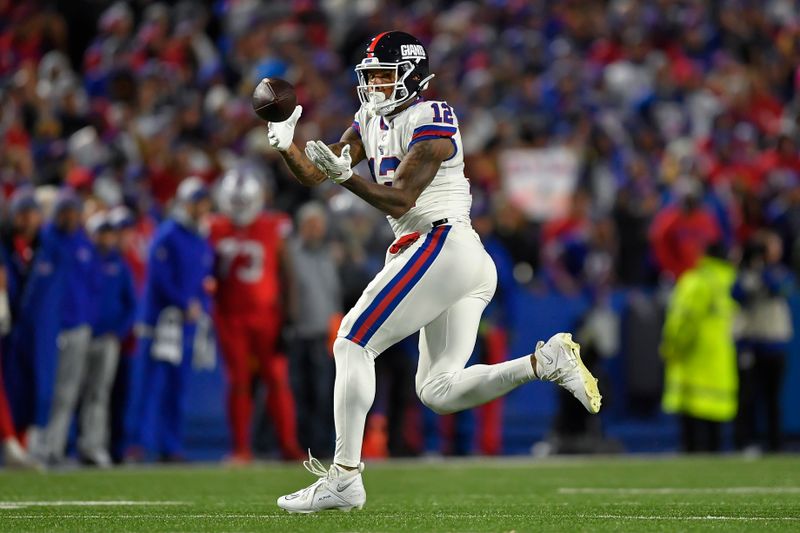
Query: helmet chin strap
x=371, y=106
x=424, y=83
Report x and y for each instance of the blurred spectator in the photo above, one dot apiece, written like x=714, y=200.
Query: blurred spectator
x=315, y=310
x=765, y=329
x=133, y=252
x=700, y=379
x=176, y=300
x=20, y=241
x=14, y=455
x=636, y=204
x=76, y=293
x=681, y=232
x=519, y=236
x=250, y=248
x=566, y=244
x=42, y=302
x=115, y=310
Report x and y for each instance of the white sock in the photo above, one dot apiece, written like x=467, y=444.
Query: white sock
x=353, y=394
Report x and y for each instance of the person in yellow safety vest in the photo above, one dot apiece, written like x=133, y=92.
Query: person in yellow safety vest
x=700, y=375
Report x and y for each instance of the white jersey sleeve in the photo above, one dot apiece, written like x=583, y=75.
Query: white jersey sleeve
x=388, y=141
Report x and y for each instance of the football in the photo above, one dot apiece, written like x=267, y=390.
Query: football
x=274, y=99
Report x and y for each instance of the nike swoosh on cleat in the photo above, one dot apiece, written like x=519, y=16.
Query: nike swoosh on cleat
x=341, y=487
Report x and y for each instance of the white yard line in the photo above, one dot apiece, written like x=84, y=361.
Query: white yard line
x=83, y=503
x=284, y=516
x=679, y=518
x=679, y=490
x=154, y=516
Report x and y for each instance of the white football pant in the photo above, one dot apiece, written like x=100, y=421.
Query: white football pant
x=438, y=286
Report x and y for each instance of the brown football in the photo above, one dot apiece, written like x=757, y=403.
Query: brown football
x=274, y=99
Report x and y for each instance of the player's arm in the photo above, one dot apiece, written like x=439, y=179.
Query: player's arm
x=307, y=172
x=280, y=135
x=303, y=169
x=414, y=173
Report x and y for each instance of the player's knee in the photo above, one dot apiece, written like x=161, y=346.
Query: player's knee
x=347, y=352
x=341, y=347
x=433, y=394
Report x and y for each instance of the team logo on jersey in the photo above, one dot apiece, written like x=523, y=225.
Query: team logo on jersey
x=412, y=51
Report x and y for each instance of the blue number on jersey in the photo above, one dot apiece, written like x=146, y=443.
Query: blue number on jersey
x=445, y=115
x=387, y=164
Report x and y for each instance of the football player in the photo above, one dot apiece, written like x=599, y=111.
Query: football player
x=248, y=246
x=437, y=278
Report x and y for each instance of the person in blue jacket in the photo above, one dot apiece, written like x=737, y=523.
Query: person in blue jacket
x=115, y=311
x=20, y=242
x=73, y=293
x=176, y=300
x=54, y=323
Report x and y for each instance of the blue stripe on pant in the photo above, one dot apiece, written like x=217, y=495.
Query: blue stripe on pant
x=426, y=256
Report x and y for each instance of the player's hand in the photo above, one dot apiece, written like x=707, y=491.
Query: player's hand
x=280, y=134
x=337, y=168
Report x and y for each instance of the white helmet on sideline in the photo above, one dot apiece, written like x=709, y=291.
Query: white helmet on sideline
x=241, y=195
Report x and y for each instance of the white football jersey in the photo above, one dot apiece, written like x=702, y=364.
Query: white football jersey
x=387, y=140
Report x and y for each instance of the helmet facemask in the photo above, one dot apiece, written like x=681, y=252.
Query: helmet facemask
x=404, y=88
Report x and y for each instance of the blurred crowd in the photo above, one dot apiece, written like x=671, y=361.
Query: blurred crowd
x=684, y=114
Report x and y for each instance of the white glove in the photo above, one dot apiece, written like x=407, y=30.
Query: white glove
x=337, y=168
x=280, y=134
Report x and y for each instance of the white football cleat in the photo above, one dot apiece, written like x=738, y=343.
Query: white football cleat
x=336, y=488
x=15, y=456
x=559, y=360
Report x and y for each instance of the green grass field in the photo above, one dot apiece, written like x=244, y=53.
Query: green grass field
x=624, y=494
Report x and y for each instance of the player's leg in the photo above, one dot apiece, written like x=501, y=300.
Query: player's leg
x=414, y=288
x=446, y=386
x=443, y=383
x=376, y=318
x=274, y=368
x=447, y=341
x=100, y=372
x=319, y=391
x=233, y=342
x=411, y=291
x=73, y=348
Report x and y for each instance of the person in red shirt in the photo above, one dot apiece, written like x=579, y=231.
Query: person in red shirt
x=681, y=232
x=248, y=246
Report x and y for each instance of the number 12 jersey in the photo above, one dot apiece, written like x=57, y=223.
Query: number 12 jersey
x=387, y=141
